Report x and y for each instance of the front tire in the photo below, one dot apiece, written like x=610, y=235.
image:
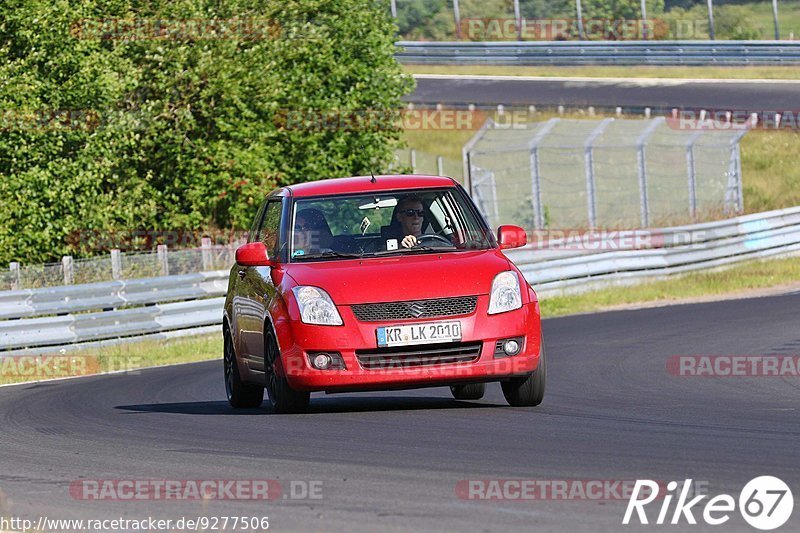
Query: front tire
x=468, y=391
x=283, y=398
x=527, y=391
x=240, y=395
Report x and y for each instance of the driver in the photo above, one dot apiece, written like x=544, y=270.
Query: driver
x=410, y=214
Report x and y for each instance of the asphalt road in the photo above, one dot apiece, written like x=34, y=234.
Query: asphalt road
x=628, y=93
x=391, y=461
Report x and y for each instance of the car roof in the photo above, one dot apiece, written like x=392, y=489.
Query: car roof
x=365, y=184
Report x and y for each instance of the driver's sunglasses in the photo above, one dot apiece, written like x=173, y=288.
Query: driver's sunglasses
x=411, y=212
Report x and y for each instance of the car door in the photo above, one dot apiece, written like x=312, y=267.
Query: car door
x=259, y=288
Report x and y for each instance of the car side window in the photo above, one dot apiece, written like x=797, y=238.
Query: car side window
x=269, y=231
x=251, y=236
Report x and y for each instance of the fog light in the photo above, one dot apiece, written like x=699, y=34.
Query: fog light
x=511, y=347
x=322, y=361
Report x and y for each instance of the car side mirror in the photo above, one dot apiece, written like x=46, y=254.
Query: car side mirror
x=253, y=254
x=510, y=236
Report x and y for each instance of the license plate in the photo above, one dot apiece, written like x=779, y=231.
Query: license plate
x=410, y=334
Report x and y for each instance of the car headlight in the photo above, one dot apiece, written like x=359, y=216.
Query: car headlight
x=505, y=294
x=316, y=307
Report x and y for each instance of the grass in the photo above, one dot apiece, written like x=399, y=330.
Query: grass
x=127, y=356
x=736, y=280
x=770, y=173
x=754, y=72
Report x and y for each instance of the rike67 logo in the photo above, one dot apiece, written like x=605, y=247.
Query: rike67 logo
x=765, y=503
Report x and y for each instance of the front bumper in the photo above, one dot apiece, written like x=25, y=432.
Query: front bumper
x=297, y=339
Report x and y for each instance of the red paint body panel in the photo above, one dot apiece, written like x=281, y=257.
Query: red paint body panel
x=398, y=278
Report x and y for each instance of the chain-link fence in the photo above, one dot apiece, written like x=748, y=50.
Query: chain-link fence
x=421, y=162
x=119, y=265
x=570, y=173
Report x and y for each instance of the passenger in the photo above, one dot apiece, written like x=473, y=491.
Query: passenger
x=312, y=234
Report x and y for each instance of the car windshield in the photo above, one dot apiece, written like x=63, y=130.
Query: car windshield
x=398, y=222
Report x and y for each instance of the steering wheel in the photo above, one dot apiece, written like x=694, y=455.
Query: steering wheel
x=427, y=236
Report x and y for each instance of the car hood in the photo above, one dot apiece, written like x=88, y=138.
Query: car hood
x=398, y=278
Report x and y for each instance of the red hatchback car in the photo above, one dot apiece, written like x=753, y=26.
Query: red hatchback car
x=377, y=283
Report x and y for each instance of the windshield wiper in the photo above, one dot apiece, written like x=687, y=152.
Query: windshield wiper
x=414, y=249
x=328, y=254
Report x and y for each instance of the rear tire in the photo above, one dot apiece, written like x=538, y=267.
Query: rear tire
x=240, y=395
x=283, y=398
x=469, y=391
x=527, y=391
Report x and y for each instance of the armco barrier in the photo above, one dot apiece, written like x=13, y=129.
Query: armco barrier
x=182, y=303
x=601, y=52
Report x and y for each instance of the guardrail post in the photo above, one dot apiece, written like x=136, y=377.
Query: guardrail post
x=116, y=264
x=205, y=248
x=14, y=268
x=66, y=267
x=690, y=172
x=163, y=260
x=588, y=155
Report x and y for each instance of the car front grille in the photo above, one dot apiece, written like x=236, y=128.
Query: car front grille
x=414, y=356
x=435, y=308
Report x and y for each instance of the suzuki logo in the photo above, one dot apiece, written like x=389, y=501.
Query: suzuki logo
x=416, y=309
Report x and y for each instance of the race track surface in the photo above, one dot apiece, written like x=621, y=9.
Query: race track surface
x=391, y=461
x=755, y=97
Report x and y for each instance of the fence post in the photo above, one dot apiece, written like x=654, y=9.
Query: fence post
x=536, y=181
x=579, y=12
x=394, y=9
x=66, y=267
x=116, y=263
x=641, y=159
x=163, y=260
x=588, y=155
x=690, y=171
x=440, y=165
x=457, y=17
x=710, y=19
x=518, y=19
x=14, y=268
x=466, y=154
x=775, y=18
x=644, y=20
x=205, y=247
x=413, y=161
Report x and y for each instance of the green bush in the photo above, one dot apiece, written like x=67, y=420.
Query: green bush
x=184, y=131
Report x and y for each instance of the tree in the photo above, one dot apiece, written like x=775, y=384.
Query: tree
x=120, y=114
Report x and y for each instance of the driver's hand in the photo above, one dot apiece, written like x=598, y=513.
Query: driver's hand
x=409, y=241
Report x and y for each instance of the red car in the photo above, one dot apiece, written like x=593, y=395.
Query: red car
x=377, y=283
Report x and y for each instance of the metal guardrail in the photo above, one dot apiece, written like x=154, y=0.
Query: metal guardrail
x=679, y=249
x=601, y=53
x=126, y=309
